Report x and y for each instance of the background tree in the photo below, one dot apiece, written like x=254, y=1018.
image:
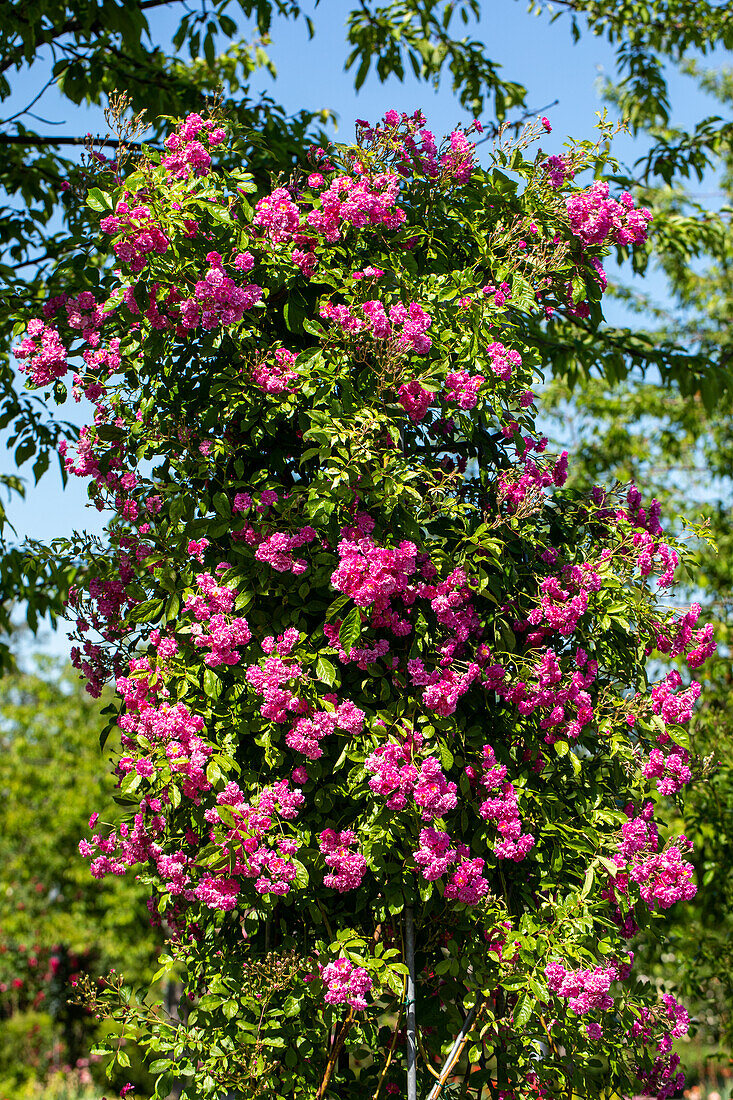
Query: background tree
x=56, y=921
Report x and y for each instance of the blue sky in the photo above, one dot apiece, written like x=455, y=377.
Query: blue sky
x=530, y=49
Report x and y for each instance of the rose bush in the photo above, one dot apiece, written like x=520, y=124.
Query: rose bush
x=370, y=657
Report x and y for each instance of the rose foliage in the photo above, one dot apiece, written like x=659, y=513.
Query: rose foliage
x=369, y=654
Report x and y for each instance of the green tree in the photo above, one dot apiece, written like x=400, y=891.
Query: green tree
x=56, y=922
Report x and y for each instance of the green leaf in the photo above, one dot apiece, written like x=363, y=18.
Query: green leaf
x=335, y=607
x=212, y=684
x=110, y=432
x=301, y=874
x=222, y=507
x=98, y=200
x=523, y=1010
x=149, y=611
x=325, y=671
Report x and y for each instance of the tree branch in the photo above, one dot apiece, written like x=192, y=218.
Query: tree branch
x=60, y=139
x=333, y=1056
x=51, y=34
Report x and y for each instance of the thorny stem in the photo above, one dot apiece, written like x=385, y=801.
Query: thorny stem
x=426, y=1056
x=390, y=1052
x=325, y=921
x=333, y=1056
x=553, y=1048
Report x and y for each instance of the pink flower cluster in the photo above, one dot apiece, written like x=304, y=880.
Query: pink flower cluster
x=393, y=773
x=432, y=792
x=595, y=218
x=467, y=883
x=166, y=740
x=187, y=156
x=277, y=550
x=405, y=327
x=278, y=376
x=514, y=490
x=586, y=989
x=372, y=575
x=83, y=314
x=501, y=808
x=254, y=840
x=375, y=577
x=444, y=686
x=414, y=400
x=114, y=853
x=564, y=703
x=396, y=778
x=558, y=170
x=671, y=770
x=646, y=519
x=358, y=201
x=345, y=983
x=503, y=360
x=137, y=234
x=699, y=645
x=672, y=705
x=307, y=733
x=663, y=877
x=435, y=856
x=212, y=605
x=457, y=164
x=648, y=549
x=45, y=353
x=412, y=144
x=362, y=656
x=564, y=599
x=461, y=388
x=678, y=1014
x=346, y=867
x=271, y=681
x=663, y=1080
x=277, y=215
x=217, y=300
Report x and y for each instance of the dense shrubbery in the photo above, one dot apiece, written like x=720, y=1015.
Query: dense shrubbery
x=375, y=666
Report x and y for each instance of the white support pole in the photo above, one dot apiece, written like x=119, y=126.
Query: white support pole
x=410, y=1006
